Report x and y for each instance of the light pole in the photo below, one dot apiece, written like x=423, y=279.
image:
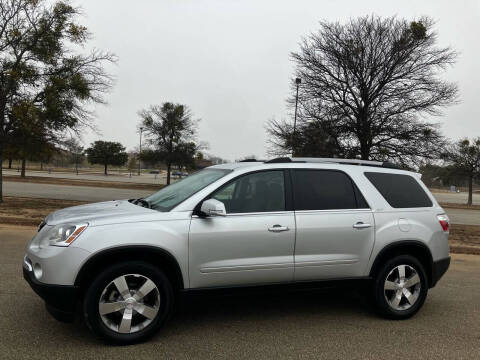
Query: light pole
x=140, y=151
x=298, y=81
x=76, y=163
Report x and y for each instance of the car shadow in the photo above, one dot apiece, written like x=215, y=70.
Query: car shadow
x=194, y=310
x=197, y=314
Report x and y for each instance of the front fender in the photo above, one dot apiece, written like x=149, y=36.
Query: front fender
x=169, y=236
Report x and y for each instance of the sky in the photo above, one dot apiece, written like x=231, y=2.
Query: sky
x=229, y=61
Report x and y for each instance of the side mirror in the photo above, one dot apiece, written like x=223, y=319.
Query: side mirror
x=212, y=207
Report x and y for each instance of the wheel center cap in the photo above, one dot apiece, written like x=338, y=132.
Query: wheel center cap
x=130, y=302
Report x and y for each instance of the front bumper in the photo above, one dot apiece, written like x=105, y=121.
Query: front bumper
x=60, y=300
x=439, y=268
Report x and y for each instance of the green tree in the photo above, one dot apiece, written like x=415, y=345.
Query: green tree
x=107, y=153
x=433, y=174
x=368, y=84
x=29, y=136
x=42, y=71
x=464, y=155
x=172, y=131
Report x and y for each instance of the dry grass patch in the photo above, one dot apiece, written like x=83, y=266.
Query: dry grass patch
x=30, y=211
x=465, y=239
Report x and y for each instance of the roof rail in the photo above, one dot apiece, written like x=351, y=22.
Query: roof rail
x=279, y=160
x=390, y=165
x=332, y=161
x=340, y=161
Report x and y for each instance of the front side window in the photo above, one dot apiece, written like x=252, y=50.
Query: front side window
x=325, y=190
x=257, y=192
x=400, y=191
x=172, y=195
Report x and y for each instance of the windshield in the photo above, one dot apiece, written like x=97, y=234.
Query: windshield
x=172, y=195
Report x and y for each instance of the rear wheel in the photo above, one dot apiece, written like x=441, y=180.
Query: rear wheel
x=128, y=302
x=400, y=287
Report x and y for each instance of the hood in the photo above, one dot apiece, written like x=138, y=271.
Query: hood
x=100, y=213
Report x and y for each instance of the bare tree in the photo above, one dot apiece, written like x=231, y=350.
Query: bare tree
x=75, y=150
x=367, y=84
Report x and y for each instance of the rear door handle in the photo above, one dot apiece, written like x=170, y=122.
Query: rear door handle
x=361, y=225
x=278, y=228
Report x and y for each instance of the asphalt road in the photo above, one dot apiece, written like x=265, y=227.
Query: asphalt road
x=456, y=198
x=82, y=193
x=325, y=325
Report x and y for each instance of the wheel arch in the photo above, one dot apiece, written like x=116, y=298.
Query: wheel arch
x=406, y=247
x=154, y=255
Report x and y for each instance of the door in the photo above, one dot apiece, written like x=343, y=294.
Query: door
x=335, y=226
x=253, y=243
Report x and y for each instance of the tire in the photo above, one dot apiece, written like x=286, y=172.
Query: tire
x=128, y=315
x=400, y=297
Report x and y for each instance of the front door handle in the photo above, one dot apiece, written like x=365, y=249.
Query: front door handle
x=278, y=228
x=361, y=225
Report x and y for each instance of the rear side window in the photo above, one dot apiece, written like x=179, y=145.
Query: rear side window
x=325, y=190
x=400, y=191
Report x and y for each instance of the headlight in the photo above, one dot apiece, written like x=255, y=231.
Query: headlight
x=58, y=235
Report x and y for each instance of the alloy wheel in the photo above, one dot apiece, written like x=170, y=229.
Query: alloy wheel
x=402, y=287
x=129, y=303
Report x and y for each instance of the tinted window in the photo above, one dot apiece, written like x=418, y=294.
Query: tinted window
x=324, y=190
x=361, y=202
x=400, y=191
x=258, y=192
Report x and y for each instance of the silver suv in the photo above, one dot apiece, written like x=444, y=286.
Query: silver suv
x=286, y=221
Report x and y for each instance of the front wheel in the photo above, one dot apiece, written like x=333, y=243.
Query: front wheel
x=128, y=302
x=400, y=287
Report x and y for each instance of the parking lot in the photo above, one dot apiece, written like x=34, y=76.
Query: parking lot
x=320, y=325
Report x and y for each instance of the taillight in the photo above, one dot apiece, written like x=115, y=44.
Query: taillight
x=444, y=222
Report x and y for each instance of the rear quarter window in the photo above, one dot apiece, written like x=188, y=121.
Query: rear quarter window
x=325, y=190
x=400, y=191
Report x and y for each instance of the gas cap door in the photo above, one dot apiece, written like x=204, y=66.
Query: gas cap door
x=404, y=225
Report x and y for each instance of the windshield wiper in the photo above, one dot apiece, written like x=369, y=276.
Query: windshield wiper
x=142, y=202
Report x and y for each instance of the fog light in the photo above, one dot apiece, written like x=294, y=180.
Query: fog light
x=37, y=270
